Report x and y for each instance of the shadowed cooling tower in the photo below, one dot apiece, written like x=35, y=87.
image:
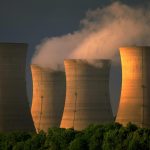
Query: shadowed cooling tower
x=87, y=94
x=135, y=94
x=49, y=90
x=14, y=108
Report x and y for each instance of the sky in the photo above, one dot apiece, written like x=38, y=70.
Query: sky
x=31, y=21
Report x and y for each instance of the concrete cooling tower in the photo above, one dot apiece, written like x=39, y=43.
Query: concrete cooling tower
x=14, y=108
x=87, y=93
x=49, y=90
x=135, y=94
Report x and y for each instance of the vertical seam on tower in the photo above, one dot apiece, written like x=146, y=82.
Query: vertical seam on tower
x=75, y=93
x=143, y=86
x=41, y=99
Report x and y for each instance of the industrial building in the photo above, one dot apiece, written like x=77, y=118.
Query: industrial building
x=49, y=90
x=135, y=93
x=14, y=108
x=87, y=93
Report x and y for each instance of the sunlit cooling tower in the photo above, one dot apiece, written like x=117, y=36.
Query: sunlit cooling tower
x=87, y=93
x=14, y=108
x=135, y=94
x=49, y=89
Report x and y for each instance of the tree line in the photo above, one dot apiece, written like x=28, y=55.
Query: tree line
x=95, y=137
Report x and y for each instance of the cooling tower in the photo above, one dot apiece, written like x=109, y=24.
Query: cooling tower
x=49, y=90
x=14, y=108
x=135, y=94
x=87, y=93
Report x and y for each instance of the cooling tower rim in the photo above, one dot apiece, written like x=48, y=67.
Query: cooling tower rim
x=87, y=60
x=35, y=66
x=46, y=69
x=96, y=63
x=130, y=47
x=12, y=43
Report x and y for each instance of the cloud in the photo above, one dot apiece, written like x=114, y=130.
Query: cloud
x=103, y=32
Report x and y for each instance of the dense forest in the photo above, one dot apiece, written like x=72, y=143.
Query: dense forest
x=96, y=137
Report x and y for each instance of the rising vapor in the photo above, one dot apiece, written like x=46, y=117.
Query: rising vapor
x=103, y=32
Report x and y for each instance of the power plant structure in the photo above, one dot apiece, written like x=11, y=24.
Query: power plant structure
x=135, y=93
x=14, y=108
x=77, y=99
x=49, y=90
x=87, y=93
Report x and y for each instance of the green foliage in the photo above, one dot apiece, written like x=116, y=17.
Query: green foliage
x=79, y=143
x=58, y=138
x=36, y=142
x=131, y=127
x=8, y=141
x=111, y=136
x=140, y=140
x=96, y=140
x=19, y=146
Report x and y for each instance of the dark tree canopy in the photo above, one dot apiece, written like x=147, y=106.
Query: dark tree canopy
x=96, y=137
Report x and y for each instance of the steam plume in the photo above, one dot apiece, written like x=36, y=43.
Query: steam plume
x=103, y=32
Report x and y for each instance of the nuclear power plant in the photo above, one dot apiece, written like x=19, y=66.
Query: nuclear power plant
x=135, y=94
x=87, y=93
x=76, y=97
x=49, y=89
x=14, y=108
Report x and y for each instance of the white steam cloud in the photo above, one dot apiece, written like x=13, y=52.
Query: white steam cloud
x=103, y=32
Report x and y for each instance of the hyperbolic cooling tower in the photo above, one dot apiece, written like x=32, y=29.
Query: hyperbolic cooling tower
x=87, y=93
x=14, y=108
x=49, y=89
x=135, y=94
